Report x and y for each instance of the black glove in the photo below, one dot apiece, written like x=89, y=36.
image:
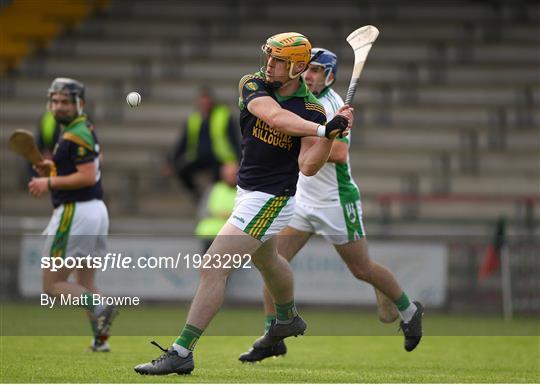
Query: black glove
x=337, y=123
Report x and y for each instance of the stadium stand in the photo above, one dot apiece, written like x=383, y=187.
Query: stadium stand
x=449, y=102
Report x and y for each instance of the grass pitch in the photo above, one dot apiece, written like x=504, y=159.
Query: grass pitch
x=311, y=359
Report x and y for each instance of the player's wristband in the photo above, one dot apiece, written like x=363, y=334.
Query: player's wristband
x=49, y=183
x=321, y=130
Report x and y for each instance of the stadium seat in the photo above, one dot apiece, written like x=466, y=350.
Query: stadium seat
x=35, y=23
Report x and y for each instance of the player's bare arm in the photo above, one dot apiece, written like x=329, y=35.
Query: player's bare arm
x=338, y=154
x=268, y=110
x=84, y=177
x=313, y=155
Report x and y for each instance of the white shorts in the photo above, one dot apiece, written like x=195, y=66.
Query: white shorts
x=77, y=229
x=261, y=215
x=337, y=224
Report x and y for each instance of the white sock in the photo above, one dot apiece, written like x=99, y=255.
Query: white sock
x=182, y=351
x=98, y=309
x=408, y=313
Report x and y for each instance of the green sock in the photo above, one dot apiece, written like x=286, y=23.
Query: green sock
x=286, y=311
x=402, y=302
x=188, y=337
x=268, y=321
x=87, y=302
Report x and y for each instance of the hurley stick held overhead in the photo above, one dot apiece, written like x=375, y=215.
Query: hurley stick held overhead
x=361, y=41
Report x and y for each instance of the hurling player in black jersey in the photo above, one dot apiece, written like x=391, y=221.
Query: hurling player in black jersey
x=277, y=111
x=80, y=221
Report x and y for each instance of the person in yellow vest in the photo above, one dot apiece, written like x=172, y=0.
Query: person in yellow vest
x=210, y=139
x=218, y=205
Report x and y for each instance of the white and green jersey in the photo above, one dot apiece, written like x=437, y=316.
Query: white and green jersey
x=333, y=184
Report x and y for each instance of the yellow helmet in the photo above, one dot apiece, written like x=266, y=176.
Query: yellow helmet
x=292, y=47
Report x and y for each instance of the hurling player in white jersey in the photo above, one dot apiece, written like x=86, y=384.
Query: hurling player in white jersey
x=328, y=204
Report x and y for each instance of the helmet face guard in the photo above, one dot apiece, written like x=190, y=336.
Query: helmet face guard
x=290, y=47
x=70, y=87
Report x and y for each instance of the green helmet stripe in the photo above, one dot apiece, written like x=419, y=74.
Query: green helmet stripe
x=275, y=43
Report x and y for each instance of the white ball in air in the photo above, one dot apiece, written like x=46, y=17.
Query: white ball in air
x=133, y=99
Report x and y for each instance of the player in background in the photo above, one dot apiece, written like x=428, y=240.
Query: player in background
x=328, y=204
x=278, y=114
x=80, y=221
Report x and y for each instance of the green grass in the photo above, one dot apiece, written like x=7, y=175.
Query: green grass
x=311, y=359
x=29, y=319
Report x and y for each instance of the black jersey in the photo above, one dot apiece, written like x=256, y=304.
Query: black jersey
x=77, y=145
x=269, y=157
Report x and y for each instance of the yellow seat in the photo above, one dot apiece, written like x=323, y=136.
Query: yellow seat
x=10, y=48
x=11, y=52
x=28, y=24
x=36, y=29
x=68, y=12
